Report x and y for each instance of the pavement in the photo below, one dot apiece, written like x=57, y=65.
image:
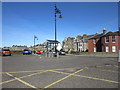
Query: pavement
x=41, y=72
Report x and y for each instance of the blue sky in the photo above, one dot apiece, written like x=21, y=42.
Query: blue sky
x=22, y=20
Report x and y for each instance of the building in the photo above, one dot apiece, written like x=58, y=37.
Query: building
x=18, y=48
x=49, y=45
x=68, y=44
x=105, y=42
x=79, y=43
x=39, y=47
x=110, y=41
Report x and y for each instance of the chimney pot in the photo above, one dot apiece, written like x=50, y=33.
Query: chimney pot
x=104, y=31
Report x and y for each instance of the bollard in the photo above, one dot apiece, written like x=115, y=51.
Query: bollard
x=119, y=56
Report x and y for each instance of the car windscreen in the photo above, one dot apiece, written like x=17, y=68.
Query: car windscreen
x=5, y=50
x=26, y=50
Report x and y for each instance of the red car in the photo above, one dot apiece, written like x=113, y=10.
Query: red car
x=38, y=52
x=6, y=52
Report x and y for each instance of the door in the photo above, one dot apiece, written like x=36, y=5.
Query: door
x=107, y=49
x=113, y=48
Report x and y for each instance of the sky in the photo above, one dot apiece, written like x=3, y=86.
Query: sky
x=22, y=20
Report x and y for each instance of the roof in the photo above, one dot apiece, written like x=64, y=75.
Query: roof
x=112, y=34
x=96, y=36
x=52, y=41
x=107, y=34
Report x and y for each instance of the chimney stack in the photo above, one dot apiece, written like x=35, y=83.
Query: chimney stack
x=96, y=33
x=104, y=31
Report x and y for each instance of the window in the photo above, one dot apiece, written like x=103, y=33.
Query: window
x=107, y=49
x=94, y=49
x=113, y=48
x=102, y=48
x=102, y=40
x=107, y=39
x=113, y=39
x=94, y=41
x=80, y=44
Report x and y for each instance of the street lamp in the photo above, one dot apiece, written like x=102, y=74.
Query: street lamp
x=34, y=42
x=57, y=11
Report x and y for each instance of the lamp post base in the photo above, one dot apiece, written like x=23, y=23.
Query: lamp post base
x=55, y=55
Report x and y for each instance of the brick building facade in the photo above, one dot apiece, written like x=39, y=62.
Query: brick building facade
x=105, y=42
x=110, y=42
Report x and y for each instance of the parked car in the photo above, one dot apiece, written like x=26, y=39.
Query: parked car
x=62, y=53
x=27, y=52
x=6, y=52
x=38, y=52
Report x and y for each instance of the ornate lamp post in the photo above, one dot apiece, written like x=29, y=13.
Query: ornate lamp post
x=34, y=42
x=57, y=11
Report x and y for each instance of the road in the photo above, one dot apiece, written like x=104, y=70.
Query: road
x=37, y=71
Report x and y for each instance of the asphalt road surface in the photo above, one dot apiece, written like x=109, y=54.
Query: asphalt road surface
x=37, y=71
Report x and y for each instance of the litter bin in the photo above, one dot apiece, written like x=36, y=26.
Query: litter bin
x=54, y=54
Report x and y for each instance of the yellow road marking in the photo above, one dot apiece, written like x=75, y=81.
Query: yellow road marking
x=103, y=65
x=52, y=69
x=117, y=66
x=63, y=78
x=87, y=77
x=35, y=70
x=26, y=83
x=22, y=71
x=22, y=77
x=104, y=70
x=7, y=81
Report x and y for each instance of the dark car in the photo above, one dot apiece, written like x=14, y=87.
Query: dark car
x=6, y=52
x=62, y=53
x=27, y=52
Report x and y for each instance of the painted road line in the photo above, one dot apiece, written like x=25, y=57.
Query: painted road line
x=63, y=78
x=104, y=70
x=52, y=69
x=36, y=70
x=103, y=65
x=7, y=81
x=117, y=66
x=26, y=83
x=22, y=71
x=22, y=77
x=87, y=77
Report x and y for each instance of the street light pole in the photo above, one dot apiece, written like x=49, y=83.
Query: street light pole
x=34, y=42
x=55, y=33
x=57, y=11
